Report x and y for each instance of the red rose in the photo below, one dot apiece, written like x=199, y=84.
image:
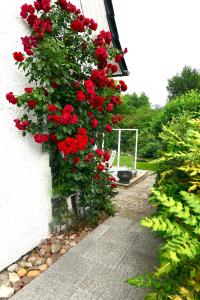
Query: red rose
x=31, y=19
x=114, y=68
x=77, y=25
x=118, y=58
x=125, y=51
x=113, y=185
x=89, y=85
x=108, y=128
x=99, y=152
x=111, y=179
x=76, y=84
x=21, y=125
x=52, y=107
x=92, y=141
x=76, y=160
x=18, y=56
x=123, y=85
x=68, y=109
x=46, y=25
x=29, y=42
x=73, y=119
x=109, y=108
x=54, y=85
x=46, y=5
x=53, y=137
x=11, y=98
x=41, y=138
x=100, y=167
x=80, y=96
x=82, y=131
x=28, y=90
x=32, y=103
x=106, y=156
x=101, y=54
x=92, y=25
x=103, y=38
x=95, y=123
x=69, y=7
x=90, y=115
x=26, y=10
x=96, y=177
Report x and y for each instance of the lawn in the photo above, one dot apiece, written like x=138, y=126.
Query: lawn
x=145, y=164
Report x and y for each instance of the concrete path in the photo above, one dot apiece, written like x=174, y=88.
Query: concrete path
x=97, y=267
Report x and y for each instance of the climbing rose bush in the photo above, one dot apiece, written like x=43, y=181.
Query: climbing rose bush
x=73, y=98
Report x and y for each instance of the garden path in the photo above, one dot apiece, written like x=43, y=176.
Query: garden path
x=97, y=267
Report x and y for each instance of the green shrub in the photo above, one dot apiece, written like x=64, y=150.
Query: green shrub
x=177, y=218
x=185, y=104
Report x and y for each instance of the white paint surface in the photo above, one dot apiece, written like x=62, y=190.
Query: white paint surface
x=25, y=180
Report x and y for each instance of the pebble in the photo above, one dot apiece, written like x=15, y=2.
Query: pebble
x=38, y=262
x=73, y=236
x=22, y=272
x=43, y=252
x=43, y=267
x=33, y=273
x=22, y=263
x=73, y=243
x=6, y=292
x=78, y=239
x=28, y=264
x=25, y=257
x=67, y=242
x=63, y=251
x=13, y=277
x=32, y=259
x=4, y=278
x=12, y=268
x=55, y=248
x=61, y=236
x=18, y=285
x=49, y=261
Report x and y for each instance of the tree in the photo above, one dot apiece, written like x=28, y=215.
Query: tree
x=188, y=80
x=134, y=101
x=188, y=103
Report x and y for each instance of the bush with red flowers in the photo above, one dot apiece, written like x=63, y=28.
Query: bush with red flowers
x=74, y=99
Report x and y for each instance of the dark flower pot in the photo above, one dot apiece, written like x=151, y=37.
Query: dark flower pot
x=124, y=176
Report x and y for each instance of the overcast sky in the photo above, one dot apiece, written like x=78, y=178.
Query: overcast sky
x=162, y=36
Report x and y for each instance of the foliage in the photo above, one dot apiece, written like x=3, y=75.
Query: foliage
x=134, y=101
x=137, y=114
x=177, y=218
x=184, y=104
x=180, y=84
x=74, y=99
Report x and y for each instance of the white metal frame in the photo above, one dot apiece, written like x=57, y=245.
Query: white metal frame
x=119, y=145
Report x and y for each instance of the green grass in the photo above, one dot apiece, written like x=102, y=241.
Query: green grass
x=127, y=160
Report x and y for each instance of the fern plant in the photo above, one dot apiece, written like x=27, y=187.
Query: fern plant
x=176, y=196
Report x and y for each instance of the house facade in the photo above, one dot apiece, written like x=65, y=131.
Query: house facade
x=25, y=175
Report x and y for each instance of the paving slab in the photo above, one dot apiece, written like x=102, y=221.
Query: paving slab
x=98, y=266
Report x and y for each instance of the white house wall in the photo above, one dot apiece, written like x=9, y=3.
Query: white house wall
x=95, y=9
x=25, y=180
